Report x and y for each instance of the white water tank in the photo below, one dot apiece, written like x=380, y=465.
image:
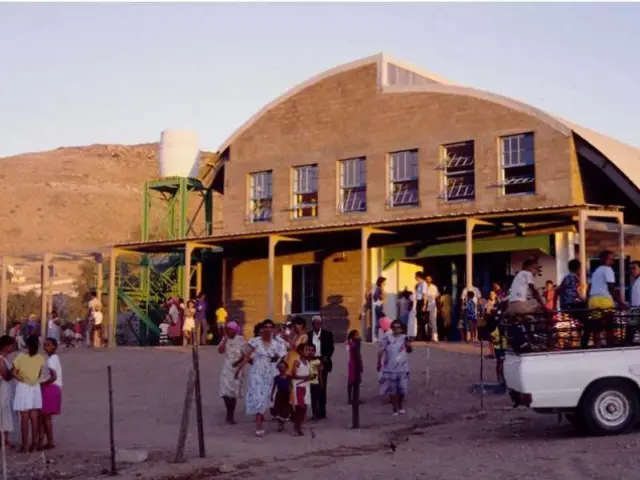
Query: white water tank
x=179, y=154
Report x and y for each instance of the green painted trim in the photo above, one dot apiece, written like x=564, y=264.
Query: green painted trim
x=393, y=254
x=488, y=245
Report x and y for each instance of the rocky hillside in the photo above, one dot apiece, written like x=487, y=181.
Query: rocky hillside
x=73, y=198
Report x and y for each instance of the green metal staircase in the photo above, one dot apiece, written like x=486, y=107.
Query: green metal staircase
x=144, y=289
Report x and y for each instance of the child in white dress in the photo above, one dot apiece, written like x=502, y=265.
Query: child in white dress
x=189, y=321
x=301, y=387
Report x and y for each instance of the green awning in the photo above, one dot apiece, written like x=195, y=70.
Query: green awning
x=489, y=245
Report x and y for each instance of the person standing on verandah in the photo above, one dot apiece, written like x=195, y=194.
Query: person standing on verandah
x=432, y=296
x=421, y=307
x=634, y=318
x=202, y=327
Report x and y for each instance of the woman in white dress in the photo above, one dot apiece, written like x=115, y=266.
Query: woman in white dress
x=232, y=347
x=264, y=352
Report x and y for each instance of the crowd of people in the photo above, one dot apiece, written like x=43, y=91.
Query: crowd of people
x=72, y=333
x=286, y=370
x=185, y=322
x=30, y=391
x=31, y=381
x=283, y=371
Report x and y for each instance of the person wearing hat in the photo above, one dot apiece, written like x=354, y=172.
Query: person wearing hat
x=232, y=347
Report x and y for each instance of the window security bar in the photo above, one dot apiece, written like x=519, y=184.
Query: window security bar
x=520, y=180
x=517, y=163
x=260, y=213
x=456, y=192
x=455, y=162
x=403, y=196
x=353, y=203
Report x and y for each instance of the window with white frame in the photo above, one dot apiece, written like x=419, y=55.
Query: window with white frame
x=353, y=185
x=306, y=282
x=459, y=176
x=518, y=164
x=305, y=191
x=260, y=197
x=403, y=178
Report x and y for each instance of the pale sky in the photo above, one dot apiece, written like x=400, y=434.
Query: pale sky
x=76, y=74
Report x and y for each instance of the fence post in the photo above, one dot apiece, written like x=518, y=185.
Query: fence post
x=196, y=368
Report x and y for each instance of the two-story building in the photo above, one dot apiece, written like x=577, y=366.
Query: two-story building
x=379, y=168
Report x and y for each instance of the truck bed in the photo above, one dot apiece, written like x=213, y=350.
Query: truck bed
x=557, y=379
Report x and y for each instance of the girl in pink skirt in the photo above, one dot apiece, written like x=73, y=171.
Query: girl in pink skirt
x=51, y=393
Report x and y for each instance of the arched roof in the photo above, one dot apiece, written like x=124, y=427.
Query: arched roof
x=396, y=76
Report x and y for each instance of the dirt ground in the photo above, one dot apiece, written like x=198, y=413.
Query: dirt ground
x=443, y=436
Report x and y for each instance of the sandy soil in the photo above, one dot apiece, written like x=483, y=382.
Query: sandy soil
x=443, y=436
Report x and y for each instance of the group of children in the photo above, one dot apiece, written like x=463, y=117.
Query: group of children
x=292, y=387
x=183, y=319
x=31, y=387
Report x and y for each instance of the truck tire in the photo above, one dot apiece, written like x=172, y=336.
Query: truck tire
x=610, y=407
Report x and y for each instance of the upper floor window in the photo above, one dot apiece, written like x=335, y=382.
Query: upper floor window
x=260, y=196
x=458, y=165
x=353, y=185
x=518, y=164
x=305, y=191
x=403, y=178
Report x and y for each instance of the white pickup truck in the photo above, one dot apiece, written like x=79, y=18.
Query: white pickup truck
x=597, y=390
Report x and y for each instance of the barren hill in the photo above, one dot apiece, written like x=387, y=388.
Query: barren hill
x=73, y=198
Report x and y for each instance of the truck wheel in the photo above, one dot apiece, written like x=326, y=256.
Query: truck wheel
x=609, y=407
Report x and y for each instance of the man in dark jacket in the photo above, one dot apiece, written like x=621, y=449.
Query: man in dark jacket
x=322, y=339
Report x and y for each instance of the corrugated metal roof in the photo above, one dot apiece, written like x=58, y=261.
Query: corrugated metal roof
x=365, y=223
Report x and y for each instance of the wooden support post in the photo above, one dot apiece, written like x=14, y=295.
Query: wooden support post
x=49, y=290
x=184, y=423
x=195, y=340
x=620, y=220
x=470, y=224
x=224, y=281
x=271, y=300
x=44, y=287
x=113, y=299
x=112, y=442
x=186, y=288
x=582, y=247
x=4, y=294
x=99, y=276
x=365, y=233
x=198, y=277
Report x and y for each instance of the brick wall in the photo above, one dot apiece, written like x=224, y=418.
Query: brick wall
x=346, y=116
x=248, y=290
